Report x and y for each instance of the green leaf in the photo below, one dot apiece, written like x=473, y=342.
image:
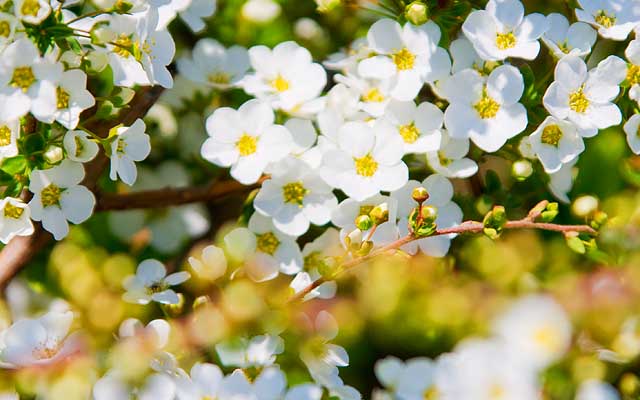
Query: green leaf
x=33, y=143
x=576, y=244
x=121, y=96
x=14, y=165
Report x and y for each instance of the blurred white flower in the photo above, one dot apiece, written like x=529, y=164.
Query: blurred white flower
x=260, y=11
x=213, y=65
x=151, y=283
x=259, y=351
x=596, y=390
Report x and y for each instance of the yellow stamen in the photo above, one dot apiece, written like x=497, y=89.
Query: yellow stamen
x=605, y=19
x=30, y=7
x=221, y=78
x=268, y=243
x=124, y=45
x=366, y=166
x=409, y=133
x=487, y=107
x=247, y=145
x=404, y=59
x=23, y=78
x=5, y=135
x=548, y=339
x=62, y=97
x=373, y=96
x=578, y=102
x=5, y=29
x=294, y=193
x=505, y=41
x=50, y=196
x=551, y=135
x=280, y=84
x=633, y=74
x=11, y=211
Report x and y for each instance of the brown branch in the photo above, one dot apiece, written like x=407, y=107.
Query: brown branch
x=465, y=227
x=171, y=196
x=22, y=249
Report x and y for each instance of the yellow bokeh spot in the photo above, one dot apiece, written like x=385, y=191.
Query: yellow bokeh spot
x=505, y=41
x=578, y=102
x=294, y=193
x=247, y=145
x=366, y=166
x=551, y=135
x=404, y=59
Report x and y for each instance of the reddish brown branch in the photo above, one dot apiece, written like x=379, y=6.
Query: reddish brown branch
x=465, y=227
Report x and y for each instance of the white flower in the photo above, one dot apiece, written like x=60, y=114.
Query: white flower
x=409, y=53
x=346, y=60
x=9, y=134
x=464, y=56
x=449, y=214
x=313, y=253
x=270, y=384
x=261, y=11
x=286, y=77
x=155, y=333
x=295, y=197
x=192, y=12
x=266, y=250
x=502, y=30
x=151, y=283
x=304, y=144
x=586, y=98
x=204, y=382
x=410, y=380
x=260, y=351
x=58, y=197
x=450, y=160
x=564, y=39
x=561, y=182
x=211, y=265
x=9, y=24
x=41, y=341
x=130, y=144
x=373, y=94
x=305, y=391
x=536, y=329
x=26, y=81
x=556, y=142
x=79, y=147
x=15, y=219
x=345, y=214
x=32, y=11
x=322, y=357
x=633, y=69
x=342, y=104
x=418, y=126
x=488, y=111
x=632, y=129
x=245, y=140
x=596, y=390
x=213, y=65
x=114, y=387
x=614, y=19
x=72, y=97
x=367, y=160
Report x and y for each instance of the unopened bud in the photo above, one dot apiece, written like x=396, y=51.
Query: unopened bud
x=53, y=154
x=550, y=212
x=175, y=309
x=417, y=13
x=522, y=169
x=429, y=214
x=364, y=222
x=200, y=301
x=494, y=222
x=354, y=239
x=584, y=206
x=380, y=214
x=327, y=5
x=420, y=194
x=599, y=219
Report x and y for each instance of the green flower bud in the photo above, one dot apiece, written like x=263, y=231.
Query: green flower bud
x=420, y=194
x=175, y=309
x=599, y=219
x=365, y=249
x=200, y=301
x=364, y=222
x=429, y=214
x=425, y=225
x=494, y=222
x=380, y=214
x=417, y=13
x=53, y=154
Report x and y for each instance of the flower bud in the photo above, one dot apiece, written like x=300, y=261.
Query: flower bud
x=584, y=206
x=380, y=214
x=365, y=249
x=429, y=214
x=417, y=13
x=200, y=301
x=364, y=222
x=354, y=239
x=599, y=219
x=522, y=169
x=175, y=309
x=53, y=154
x=550, y=212
x=494, y=222
x=327, y=5
x=420, y=194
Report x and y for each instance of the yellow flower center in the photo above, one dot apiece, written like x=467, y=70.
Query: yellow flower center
x=578, y=102
x=268, y=243
x=62, y=97
x=5, y=135
x=373, y=96
x=23, y=78
x=366, y=166
x=551, y=135
x=605, y=19
x=404, y=59
x=409, y=133
x=247, y=145
x=444, y=161
x=123, y=45
x=313, y=260
x=564, y=47
x=365, y=210
x=431, y=393
x=547, y=338
x=487, y=107
x=50, y=196
x=122, y=146
x=45, y=352
x=219, y=77
x=157, y=287
x=633, y=74
x=496, y=392
x=30, y=7
x=5, y=29
x=505, y=41
x=280, y=84
x=294, y=193
x=11, y=211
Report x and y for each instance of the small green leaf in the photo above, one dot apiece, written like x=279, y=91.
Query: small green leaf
x=14, y=165
x=33, y=143
x=576, y=244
